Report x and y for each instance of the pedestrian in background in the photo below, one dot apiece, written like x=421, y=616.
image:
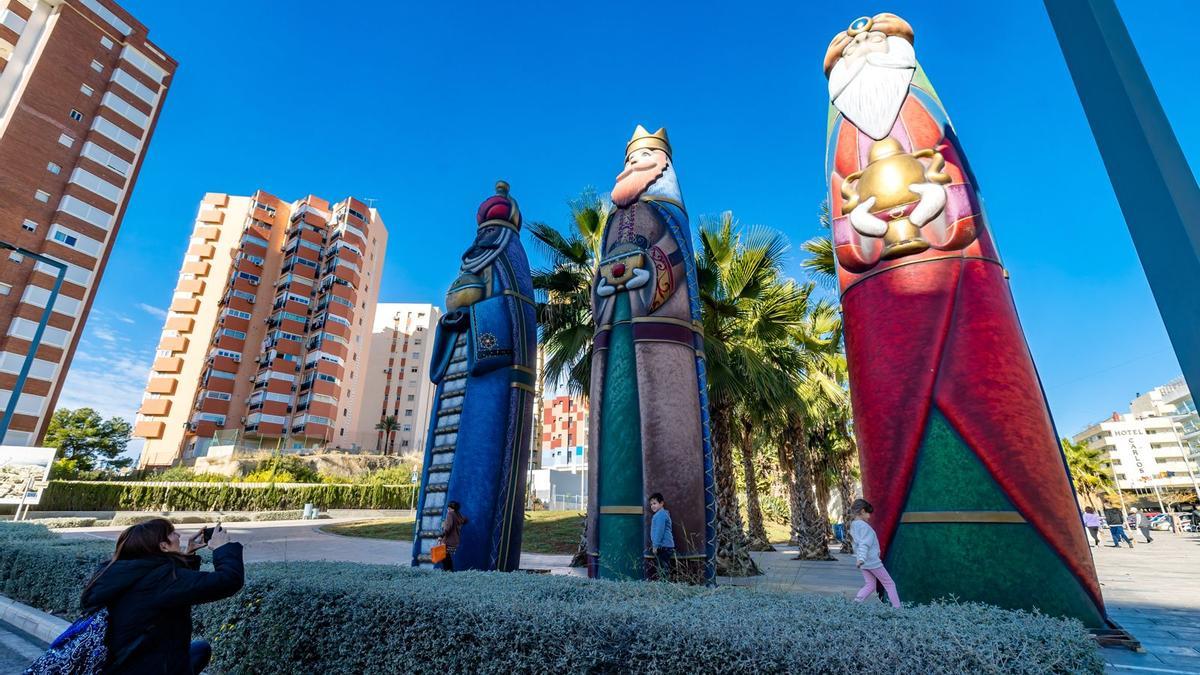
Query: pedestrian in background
x=451, y=533
x=1116, y=525
x=1141, y=522
x=866, y=554
x=662, y=539
x=1091, y=520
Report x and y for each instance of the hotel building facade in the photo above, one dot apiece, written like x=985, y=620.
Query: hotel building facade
x=81, y=88
x=397, y=378
x=1154, y=445
x=268, y=329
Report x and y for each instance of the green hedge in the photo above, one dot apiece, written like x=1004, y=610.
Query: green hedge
x=130, y=496
x=351, y=618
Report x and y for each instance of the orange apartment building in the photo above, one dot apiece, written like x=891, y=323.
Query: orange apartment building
x=564, y=432
x=267, y=330
x=81, y=88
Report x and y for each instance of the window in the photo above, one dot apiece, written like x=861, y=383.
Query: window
x=65, y=238
x=76, y=115
x=233, y=333
x=29, y=225
x=237, y=313
x=5, y=289
x=97, y=66
x=219, y=395
x=408, y=412
x=86, y=90
x=42, y=196
x=412, y=397
x=53, y=168
x=66, y=140
x=412, y=370
x=108, y=44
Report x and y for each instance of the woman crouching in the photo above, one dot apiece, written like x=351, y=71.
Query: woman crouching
x=149, y=588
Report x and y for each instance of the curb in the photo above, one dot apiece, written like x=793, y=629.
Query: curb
x=34, y=622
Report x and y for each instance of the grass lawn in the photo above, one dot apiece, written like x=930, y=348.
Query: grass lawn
x=545, y=531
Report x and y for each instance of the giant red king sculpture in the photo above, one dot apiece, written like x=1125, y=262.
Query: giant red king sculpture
x=959, y=455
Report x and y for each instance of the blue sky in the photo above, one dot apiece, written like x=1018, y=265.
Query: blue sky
x=422, y=106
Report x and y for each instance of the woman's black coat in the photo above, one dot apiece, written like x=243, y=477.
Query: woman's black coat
x=153, y=597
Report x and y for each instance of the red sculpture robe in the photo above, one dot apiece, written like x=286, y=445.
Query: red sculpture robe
x=936, y=333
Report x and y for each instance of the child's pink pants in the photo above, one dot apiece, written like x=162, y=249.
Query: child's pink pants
x=869, y=579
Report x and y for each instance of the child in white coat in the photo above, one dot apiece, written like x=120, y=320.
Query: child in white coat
x=866, y=554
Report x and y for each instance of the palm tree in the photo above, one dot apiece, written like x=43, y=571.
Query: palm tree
x=749, y=312
x=387, y=428
x=564, y=291
x=820, y=263
x=1090, y=470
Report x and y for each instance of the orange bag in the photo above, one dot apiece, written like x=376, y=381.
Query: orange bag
x=438, y=553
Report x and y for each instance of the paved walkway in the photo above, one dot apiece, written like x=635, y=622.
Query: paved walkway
x=1152, y=590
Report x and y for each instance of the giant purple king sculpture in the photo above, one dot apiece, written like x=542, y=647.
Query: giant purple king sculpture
x=648, y=428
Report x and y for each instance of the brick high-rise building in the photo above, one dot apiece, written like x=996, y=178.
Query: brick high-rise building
x=564, y=432
x=268, y=330
x=397, y=376
x=81, y=88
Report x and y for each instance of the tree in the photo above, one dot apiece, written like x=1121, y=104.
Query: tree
x=387, y=428
x=749, y=312
x=564, y=292
x=86, y=438
x=1090, y=470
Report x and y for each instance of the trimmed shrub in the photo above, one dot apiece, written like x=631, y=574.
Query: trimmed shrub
x=66, y=522
x=23, y=531
x=50, y=573
x=133, y=496
x=277, y=515
x=127, y=519
x=351, y=618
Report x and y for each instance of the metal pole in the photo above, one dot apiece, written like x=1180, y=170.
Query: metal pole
x=11, y=408
x=1187, y=456
x=1148, y=169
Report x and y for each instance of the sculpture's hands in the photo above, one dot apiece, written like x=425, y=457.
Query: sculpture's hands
x=865, y=222
x=640, y=278
x=603, y=288
x=933, y=201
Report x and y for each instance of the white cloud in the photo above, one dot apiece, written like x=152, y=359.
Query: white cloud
x=152, y=310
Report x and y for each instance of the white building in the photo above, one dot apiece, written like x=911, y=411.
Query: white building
x=1154, y=444
x=397, y=377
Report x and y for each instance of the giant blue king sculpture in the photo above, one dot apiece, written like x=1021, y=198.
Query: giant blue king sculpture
x=477, y=449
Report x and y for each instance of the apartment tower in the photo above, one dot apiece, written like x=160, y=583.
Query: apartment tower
x=267, y=330
x=564, y=432
x=81, y=88
x=397, y=378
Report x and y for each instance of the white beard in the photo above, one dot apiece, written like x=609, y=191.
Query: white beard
x=667, y=185
x=871, y=91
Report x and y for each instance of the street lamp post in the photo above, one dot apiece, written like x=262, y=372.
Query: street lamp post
x=1187, y=455
x=15, y=396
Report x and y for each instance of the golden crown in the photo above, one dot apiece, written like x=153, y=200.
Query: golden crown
x=644, y=139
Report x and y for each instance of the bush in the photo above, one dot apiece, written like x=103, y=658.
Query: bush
x=127, y=519
x=133, y=496
x=185, y=475
x=283, y=469
x=10, y=531
x=386, y=619
x=277, y=515
x=66, y=522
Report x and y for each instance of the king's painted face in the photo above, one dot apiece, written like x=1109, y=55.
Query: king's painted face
x=871, y=42
x=642, y=167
